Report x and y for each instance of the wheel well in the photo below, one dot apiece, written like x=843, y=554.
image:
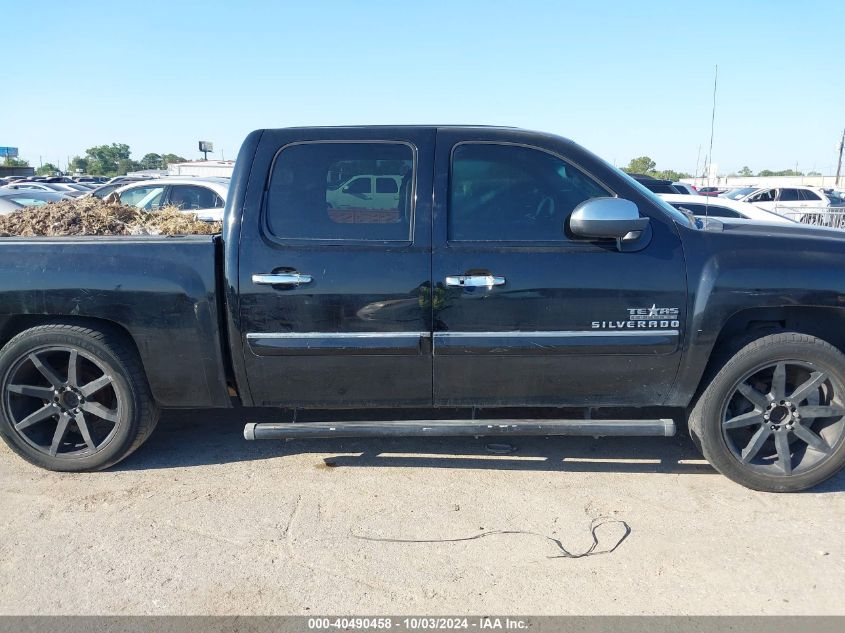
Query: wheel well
x=13, y=325
x=825, y=323
x=745, y=326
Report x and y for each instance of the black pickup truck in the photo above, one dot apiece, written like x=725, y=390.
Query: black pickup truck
x=466, y=277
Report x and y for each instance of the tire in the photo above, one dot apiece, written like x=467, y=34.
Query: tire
x=73, y=398
x=773, y=417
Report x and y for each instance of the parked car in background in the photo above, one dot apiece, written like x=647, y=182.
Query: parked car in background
x=367, y=192
x=738, y=192
x=774, y=198
x=710, y=191
x=16, y=199
x=204, y=196
x=104, y=190
x=837, y=198
x=655, y=185
x=702, y=206
x=125, y=180
x=684, y=188
x=45, y=186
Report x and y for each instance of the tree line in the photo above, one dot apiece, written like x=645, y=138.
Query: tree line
x=105, y=160
x=645, y=165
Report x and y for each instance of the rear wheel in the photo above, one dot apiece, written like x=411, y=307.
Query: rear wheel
x=773, y=418
x=73, y=398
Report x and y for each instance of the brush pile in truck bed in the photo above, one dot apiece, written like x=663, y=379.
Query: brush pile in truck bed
x=92, y=216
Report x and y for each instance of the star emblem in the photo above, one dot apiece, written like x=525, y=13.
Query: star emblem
x=653, y=310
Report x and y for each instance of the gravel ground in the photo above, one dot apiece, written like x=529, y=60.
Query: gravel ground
x=199, y=521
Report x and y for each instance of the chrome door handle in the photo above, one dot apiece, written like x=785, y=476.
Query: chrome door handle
x=474, y=281
x=274, y=279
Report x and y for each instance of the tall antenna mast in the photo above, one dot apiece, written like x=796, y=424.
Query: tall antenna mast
x=713, y=117
x=839, y=164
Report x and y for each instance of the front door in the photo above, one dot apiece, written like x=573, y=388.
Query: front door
x=334, y=289
x=525, y=315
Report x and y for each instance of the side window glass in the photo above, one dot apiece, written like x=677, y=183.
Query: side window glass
x=806, y=194
x=511, y=193
x=361, y=185
x=788, y=195
x=146, y=198
x=387, y=185
x=763, y=196
x=323, y=191
x=193, y=198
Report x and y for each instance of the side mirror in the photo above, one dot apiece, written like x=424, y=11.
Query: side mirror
x=345, y=189
x=607, y=218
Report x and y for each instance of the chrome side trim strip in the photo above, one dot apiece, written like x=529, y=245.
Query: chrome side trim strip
x=514, y=334
x=335, y=335
x=556, y=334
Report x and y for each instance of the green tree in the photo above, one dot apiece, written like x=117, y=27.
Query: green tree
x=669, y=174
x=11, y=161
x=814, y=173
x=782, y=172
x=640, y=165
x=125, y=165
x=105, y=159
x=151, y=161
x=167, y=159
x=745, y=171
x=47, y=169
x=78, y=164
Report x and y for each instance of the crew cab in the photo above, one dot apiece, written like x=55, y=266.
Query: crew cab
x=517, y=284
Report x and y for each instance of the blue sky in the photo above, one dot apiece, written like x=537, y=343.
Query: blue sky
x=622, y=78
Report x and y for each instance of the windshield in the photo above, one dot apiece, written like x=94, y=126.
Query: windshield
x=741, y=192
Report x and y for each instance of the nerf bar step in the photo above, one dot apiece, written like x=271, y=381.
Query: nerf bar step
x=451, y=428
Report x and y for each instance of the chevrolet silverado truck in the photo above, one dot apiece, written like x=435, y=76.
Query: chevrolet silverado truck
x=515, y=272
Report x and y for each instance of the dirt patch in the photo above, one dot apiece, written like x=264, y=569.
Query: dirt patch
x=92, y=216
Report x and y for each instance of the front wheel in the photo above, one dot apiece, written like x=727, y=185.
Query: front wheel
x=73, y=398
x=773, y=417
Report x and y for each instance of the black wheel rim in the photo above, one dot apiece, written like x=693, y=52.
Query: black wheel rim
x=784, y=418
x=63, y=402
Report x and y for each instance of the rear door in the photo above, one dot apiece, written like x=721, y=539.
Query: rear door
x=524, y=315
x=335, y=301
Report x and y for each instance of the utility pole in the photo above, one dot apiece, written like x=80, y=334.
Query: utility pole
x=839, y=164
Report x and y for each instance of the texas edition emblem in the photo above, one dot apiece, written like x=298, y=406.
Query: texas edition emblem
x=643, y=318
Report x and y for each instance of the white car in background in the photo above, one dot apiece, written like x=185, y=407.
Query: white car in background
x=204, y=196
x=788, y=198
x=704, y=206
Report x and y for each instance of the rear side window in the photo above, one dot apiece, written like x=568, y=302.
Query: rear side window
x=788, y=195
x=193, y=197
x=512, y=193
x=387, y=185
x=324, y=191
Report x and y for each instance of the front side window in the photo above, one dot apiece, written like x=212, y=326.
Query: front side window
x=324, y=191
x=512, y=193
x=145, y=198
x=764, y=196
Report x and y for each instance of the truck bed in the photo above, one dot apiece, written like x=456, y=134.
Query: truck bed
x=160, y=290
